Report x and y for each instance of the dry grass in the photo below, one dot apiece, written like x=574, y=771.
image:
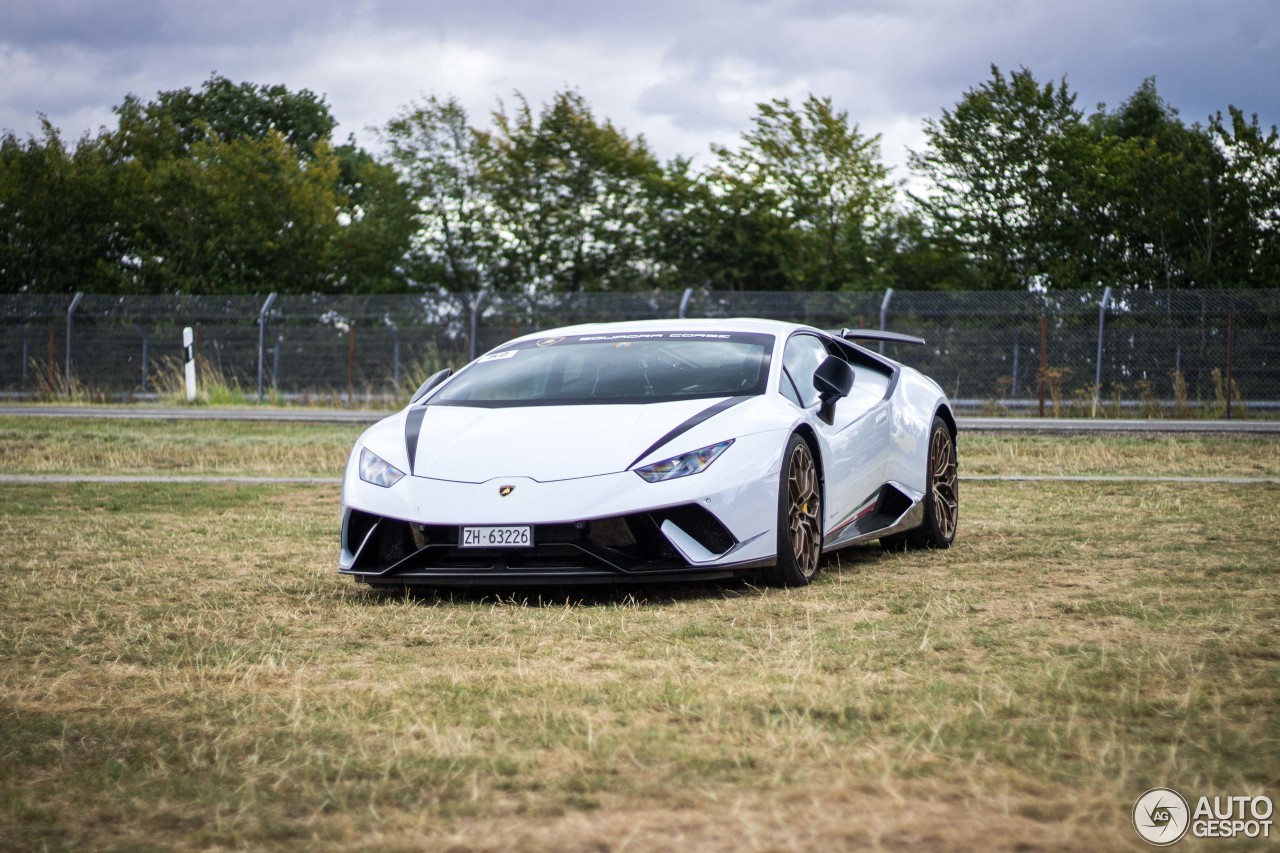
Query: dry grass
x=180, y=667
x=39, y=445
x=1153, y=455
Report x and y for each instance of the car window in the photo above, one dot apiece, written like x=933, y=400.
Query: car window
x=787, y=388
x=800, y=359
x=611, y=368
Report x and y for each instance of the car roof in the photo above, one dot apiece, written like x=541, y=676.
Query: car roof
x=736, y=324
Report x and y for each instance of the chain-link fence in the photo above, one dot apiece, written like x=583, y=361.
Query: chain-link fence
x=1073, y=352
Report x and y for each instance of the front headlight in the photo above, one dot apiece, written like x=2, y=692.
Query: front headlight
x=376, y=470
x=693, y=462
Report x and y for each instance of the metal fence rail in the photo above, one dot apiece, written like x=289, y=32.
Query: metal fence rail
x=1083, y=352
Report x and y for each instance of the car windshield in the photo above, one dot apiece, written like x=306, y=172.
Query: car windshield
x=614, y=368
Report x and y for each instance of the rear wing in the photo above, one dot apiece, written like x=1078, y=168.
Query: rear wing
x=876, y=335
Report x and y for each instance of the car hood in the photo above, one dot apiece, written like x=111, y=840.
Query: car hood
x=544, y=443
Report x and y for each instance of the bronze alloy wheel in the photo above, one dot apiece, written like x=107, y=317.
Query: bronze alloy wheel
x=805, y=509
x=943, y=482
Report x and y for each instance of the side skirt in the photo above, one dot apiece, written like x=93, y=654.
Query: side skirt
x=896, y=509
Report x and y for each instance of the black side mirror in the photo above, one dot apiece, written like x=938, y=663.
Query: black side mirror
x=432, y=381
x=833, y=379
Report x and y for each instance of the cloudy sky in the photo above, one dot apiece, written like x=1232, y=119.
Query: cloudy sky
x=684, y=74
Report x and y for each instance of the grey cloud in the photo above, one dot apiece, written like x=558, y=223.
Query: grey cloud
x=692, y=69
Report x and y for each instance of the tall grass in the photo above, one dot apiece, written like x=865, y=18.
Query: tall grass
x=213, y=386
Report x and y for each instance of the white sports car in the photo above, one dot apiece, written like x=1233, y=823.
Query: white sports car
x=657, y=450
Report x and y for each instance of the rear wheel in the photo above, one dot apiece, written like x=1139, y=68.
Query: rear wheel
x=799, y=517
x=941, y=499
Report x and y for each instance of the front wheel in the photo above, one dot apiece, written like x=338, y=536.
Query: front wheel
x=941, y=498
x=799, y=517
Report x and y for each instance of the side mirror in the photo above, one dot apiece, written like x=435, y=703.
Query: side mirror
x=833, y=379
x=432, y=381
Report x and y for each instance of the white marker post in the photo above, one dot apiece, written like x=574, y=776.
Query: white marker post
x=189, y=352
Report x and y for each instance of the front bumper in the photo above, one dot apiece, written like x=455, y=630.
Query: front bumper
x=634, y=548
x=607, y=529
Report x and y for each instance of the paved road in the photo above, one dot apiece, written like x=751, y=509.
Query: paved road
x=365, y=416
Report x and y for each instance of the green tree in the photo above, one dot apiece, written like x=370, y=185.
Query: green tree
x=574, y=200
x=800, y=203
x=441, y=161
x=679, y=205
x=997, y=167
x=58, y=209
x=913, y=258
x=376, y=224
x=1249, y=218
x=244, y=216
x=180, y=118
x=237, y=190
x=1162, y=197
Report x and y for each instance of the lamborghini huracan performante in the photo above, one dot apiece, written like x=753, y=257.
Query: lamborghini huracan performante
x=652, y=451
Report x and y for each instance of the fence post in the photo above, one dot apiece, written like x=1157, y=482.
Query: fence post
x=51, y=366
x=684, y=301
x=395, y=354
x=1044, y=357
x=262, y=338
x=26, y=353
x=145, y=358
x=275, y=362
x=71, y=311
x=351, y=366
x=1097, y=374
x=884, y=312
x=476, y=301
x=1013, y=387
x=1231, y=347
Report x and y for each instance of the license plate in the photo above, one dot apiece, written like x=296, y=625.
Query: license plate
x=496, y=537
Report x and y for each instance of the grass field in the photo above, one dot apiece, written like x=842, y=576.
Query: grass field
x=180, y=667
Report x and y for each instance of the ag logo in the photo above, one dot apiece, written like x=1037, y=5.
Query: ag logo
x=546, y=342
x=1161, y=816
x=503, y=491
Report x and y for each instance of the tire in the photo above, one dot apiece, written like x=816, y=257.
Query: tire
x=941, y=497
x=799, y=517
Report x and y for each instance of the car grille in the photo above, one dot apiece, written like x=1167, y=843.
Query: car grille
x=627, y=544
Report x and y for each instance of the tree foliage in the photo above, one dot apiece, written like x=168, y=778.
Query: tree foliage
x=1162, y=195
x=377, y=224
x=237, y=187
x=1038, y=195
x=574, y=201
x=231, y=111
x=232, y=189
x=441, y=161
x=1249, y=224
x=800, y=203
x=242, y=216
x=996, y=164
x=57, y=206
x=556, y=202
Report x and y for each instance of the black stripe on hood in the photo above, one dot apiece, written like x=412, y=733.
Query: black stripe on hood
x=705, y=414
x=412, y=428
